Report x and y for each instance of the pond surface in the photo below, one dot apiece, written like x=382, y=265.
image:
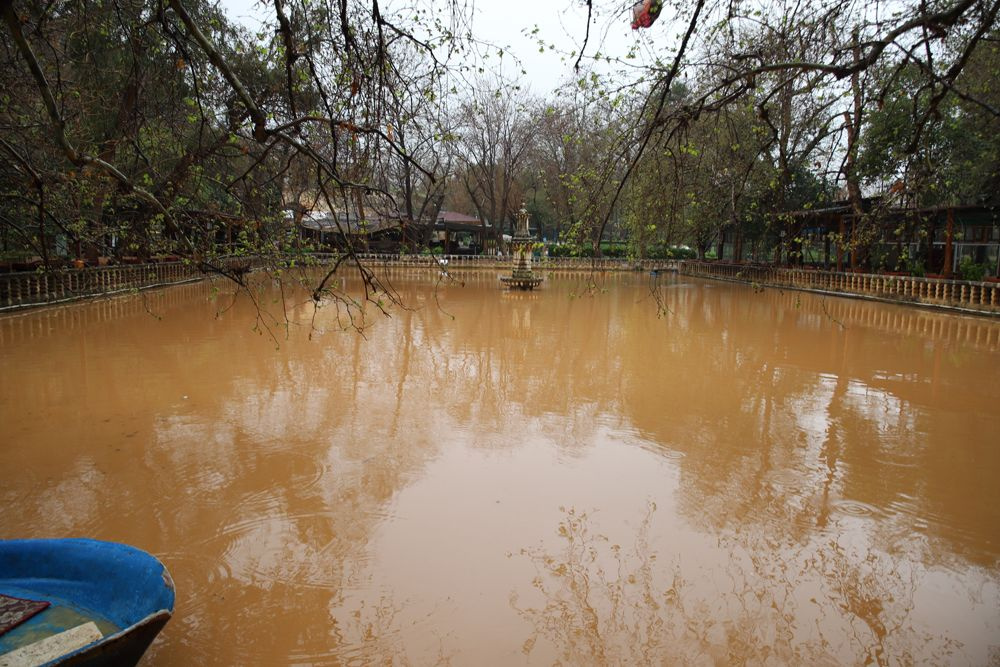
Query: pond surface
x=649, y=470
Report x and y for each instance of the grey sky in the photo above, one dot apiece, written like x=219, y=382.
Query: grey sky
x=506, y=23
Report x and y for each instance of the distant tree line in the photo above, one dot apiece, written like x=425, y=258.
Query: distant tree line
x=140, y=128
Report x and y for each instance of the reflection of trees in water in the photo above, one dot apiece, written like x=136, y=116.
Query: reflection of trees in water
x=373, y=633
x=597, y=602
x=755, y=391
x=344, y=424
x=258, y=474
x=783, y=415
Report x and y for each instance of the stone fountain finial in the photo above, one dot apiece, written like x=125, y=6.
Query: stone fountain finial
x=522, y=277
x=522, y=223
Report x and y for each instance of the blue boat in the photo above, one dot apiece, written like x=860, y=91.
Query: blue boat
x=123, y=591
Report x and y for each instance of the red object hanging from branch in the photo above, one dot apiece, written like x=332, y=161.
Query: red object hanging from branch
x=645, y=12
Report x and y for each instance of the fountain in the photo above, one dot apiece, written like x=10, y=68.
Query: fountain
x=522, y=277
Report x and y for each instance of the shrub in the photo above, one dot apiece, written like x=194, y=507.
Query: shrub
x=662, y=251
x=559, y=250
x=969, y=270
x=613, y=249
x=657, y=251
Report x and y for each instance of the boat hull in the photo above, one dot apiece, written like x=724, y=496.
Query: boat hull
x=125, y=591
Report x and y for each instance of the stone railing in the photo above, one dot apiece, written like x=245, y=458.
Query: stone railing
x=538, y=263
x=957, y=294
x=32, y=288
x=35, y=288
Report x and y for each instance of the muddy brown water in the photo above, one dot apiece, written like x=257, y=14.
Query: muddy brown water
x=633, y=472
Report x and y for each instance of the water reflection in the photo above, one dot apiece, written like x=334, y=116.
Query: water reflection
x=595, y=601
x=744, y=476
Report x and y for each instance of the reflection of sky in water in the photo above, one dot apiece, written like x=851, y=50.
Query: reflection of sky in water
x=556, y=476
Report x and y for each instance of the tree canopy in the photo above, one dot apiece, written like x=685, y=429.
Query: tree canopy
x=148, y=127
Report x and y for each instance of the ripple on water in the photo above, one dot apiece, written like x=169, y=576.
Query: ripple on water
x=856, y=508
x=662, y=451
x=785, y=478
x=200, y=582
x=382, y=649
x=302, y=550
x=208, y=484
x=375, y=630
x=672, y=454
x=222, y=577
x=305, y=470
x=266, y=501
x=920, y=518
x=194, y=577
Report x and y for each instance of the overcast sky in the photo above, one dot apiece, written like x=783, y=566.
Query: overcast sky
x=507, y=22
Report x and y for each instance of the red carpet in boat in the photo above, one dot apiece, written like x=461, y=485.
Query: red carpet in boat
x=14, y=611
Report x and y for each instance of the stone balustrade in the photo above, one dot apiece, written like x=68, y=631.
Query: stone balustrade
x=537, y=263
x=18, y=290
x=956, y=294
x=31, y=288
x=34, y=288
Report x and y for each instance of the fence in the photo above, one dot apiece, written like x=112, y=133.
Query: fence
x=964, y=295
x=34, y=288
x=40, y=287
x=18, y=290
x=506, y=263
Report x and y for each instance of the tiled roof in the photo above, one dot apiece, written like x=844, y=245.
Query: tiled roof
x=455, y=216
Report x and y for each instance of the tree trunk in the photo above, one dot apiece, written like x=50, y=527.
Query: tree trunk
x=853, y=126
x=840, y=244
x=826, y=246
x=949, y=250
